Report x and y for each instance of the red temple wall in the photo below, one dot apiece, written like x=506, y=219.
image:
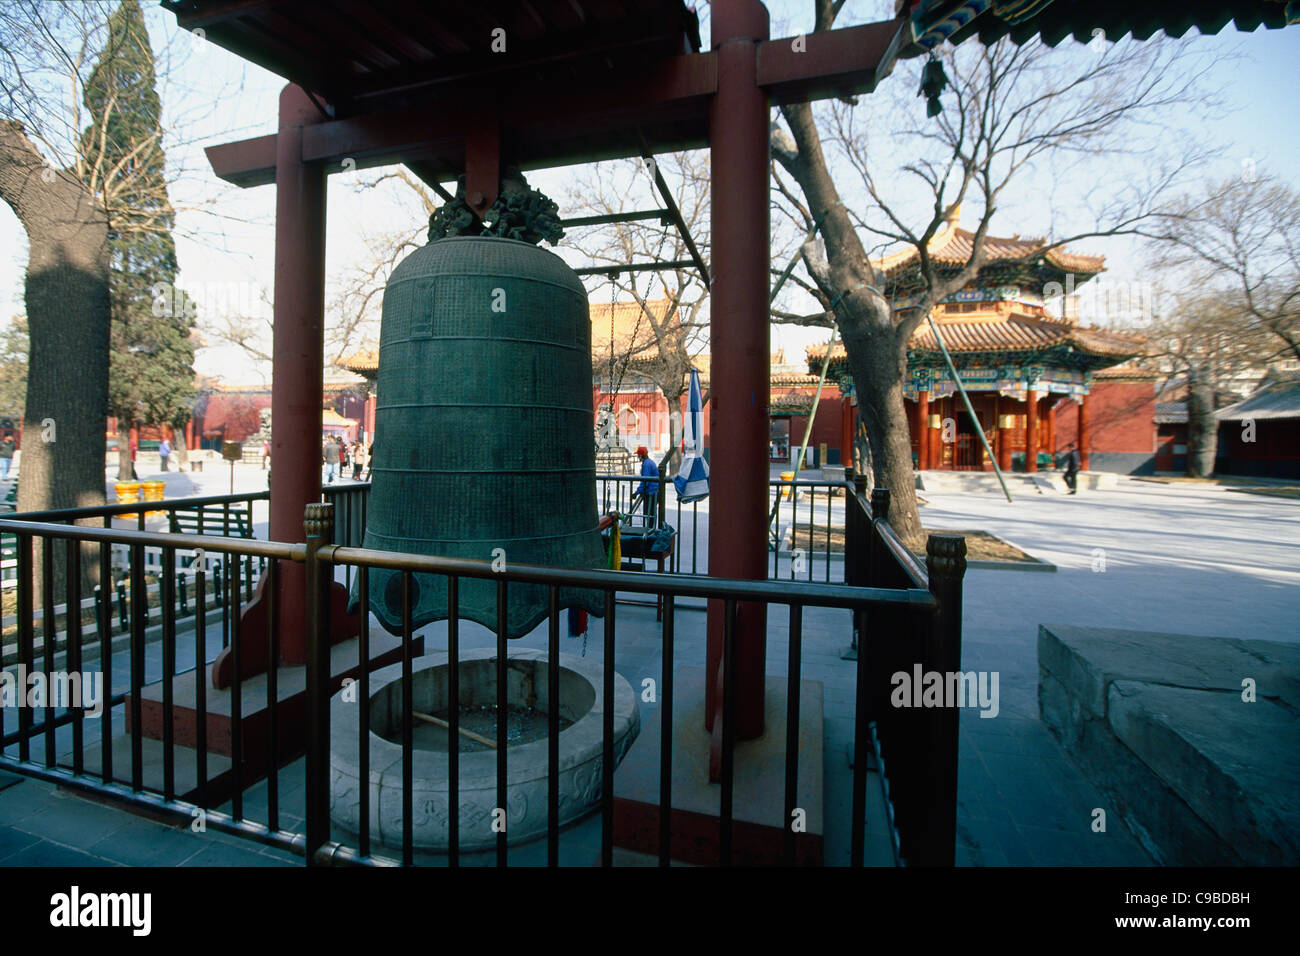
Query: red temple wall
x=232, y=416
x=1121, y=418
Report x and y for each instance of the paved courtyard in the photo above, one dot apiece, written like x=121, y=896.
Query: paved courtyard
x=1175, y=558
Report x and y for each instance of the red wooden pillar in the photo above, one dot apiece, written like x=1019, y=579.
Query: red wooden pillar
x=1031, y=430
x=1051, y=427
x=298, y=356
x=1084, y=437
x=923, y=429
x=738, y=136
x=1004, y=434
x=936, y=436
x=368, y=417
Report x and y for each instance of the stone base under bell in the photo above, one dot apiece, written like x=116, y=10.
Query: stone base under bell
x=256, y=757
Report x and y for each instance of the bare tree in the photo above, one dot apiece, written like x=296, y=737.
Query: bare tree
x=674, y=335
x=1205, y=339
x=356, y=308
x=352, y=313
x=1241, y=237
x=1011, y=111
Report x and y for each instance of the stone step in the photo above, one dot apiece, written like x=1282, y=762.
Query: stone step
x=1203, y=774
x=185, y=774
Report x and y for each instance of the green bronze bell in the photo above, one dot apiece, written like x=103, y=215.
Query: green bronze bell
x=484, y=446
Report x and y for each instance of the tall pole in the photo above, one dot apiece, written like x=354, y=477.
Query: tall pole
x=298, y=353
x=738, y=136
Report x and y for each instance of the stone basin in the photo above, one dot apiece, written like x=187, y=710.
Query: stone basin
x=527, y=764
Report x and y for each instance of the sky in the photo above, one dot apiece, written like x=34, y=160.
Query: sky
x=225, y=236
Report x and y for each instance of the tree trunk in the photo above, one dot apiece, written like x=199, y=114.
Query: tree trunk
x=675, y=433
x=1202, y=426
x=68, y=313
x=884, y=417
x=876, y=355
x=179, y=451
x=125, y=469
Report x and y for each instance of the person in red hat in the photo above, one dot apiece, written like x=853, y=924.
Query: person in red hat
x=648, y=489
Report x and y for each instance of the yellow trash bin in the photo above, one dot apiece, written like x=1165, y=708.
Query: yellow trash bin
x=128, y=492
x=787, y=492
x=153, y=491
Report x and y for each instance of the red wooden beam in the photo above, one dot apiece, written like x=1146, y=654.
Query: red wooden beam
x=826, y=64
x=558, y=126
x=566, y=125
x=246, y=162
x=551, y=127
x=483, y=160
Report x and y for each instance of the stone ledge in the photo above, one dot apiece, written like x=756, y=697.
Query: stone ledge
x=1088, y=659
x=1200, y=775
x=1232, y=762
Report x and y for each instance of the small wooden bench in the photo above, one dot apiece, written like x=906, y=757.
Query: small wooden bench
x=212, y=519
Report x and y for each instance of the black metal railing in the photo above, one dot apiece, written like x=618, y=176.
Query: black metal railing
x=913, y=604
x=350, y=500
x=118, y=767
x=916, y=748
x=806, y=523
x=904, y=615
x=112, y=585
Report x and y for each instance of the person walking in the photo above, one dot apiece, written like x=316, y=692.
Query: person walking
x=648, y=489
x=331, y=455
x=6, y=454
x=164, y=452
x=358, y=459
x=1072, y=462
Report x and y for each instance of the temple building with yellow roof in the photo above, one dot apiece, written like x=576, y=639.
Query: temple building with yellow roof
x=1036, y=380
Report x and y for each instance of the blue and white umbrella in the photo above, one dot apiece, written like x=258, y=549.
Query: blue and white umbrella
x=692, y=480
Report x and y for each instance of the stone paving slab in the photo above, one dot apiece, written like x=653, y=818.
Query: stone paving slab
x=44, y=825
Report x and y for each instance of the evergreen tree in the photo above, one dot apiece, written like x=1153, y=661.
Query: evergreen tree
x=151, y=374
x=14, y=346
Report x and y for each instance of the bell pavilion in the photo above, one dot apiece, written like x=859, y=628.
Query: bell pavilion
x=1019, y=363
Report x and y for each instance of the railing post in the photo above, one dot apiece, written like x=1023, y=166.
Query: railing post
x=884, y=645
x=945, y=561
x=876, y=552
x=857, y=543
x=319, y=526
x=880, y=648
x=857, y=536
x=889, y=651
